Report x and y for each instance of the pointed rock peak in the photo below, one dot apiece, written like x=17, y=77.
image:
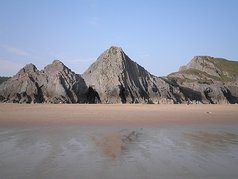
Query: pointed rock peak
x=29, y=68
x=201, y=58
x=56, y=65
x=200, y=63
x=113, y=51
x=115, y=47
x=57, y=62
x=113, y=58
x=114, y=55
x=110, y=56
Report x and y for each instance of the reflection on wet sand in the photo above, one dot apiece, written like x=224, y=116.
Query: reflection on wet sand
x=114, y=144
x=214, y=138
x=120, y=152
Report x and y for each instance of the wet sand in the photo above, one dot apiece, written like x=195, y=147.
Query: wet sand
x=118, y=141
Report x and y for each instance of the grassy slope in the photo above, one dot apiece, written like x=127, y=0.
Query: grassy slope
x=231, y=67
x=225, y=65
x=3, y=78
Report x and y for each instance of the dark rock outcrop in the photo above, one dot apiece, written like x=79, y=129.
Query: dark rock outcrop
x=92, y=96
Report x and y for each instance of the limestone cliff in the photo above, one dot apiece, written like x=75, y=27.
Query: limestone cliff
x=115, y=78
x=209, y=80
x=55, y=84
x=118, y=79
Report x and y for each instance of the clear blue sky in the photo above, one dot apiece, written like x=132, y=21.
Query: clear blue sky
x=159, y=35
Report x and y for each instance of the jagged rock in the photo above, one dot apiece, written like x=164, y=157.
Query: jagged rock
x=209, y=80
x=115, y=78
x=118, y=79
x=21, y=87
x=63, y=85
x=203, y=64
x=55, y=84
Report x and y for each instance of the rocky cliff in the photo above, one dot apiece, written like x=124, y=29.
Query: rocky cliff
x=115, y=78
x=118, y=79
x=208, y=80
x=55, y=84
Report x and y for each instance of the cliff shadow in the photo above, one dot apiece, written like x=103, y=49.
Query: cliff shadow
x=230, y=98
x=191, y=94
x=92, y=96
x=122, y=93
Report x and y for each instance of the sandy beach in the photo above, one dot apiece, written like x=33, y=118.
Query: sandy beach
x=118, y=141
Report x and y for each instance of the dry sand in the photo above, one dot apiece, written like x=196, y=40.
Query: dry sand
x=118, y=141
x=21, y=114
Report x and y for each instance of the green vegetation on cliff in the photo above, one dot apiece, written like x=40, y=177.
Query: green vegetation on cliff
x=3, y=78
x=231, y=67
x=206, y=70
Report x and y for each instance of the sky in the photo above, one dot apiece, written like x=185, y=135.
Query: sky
x=160, y=35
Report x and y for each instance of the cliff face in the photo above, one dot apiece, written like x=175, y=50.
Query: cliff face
x=209, y=80
x=63, y=85
x=55, y=84
x=118, y=79
x=115, y=78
